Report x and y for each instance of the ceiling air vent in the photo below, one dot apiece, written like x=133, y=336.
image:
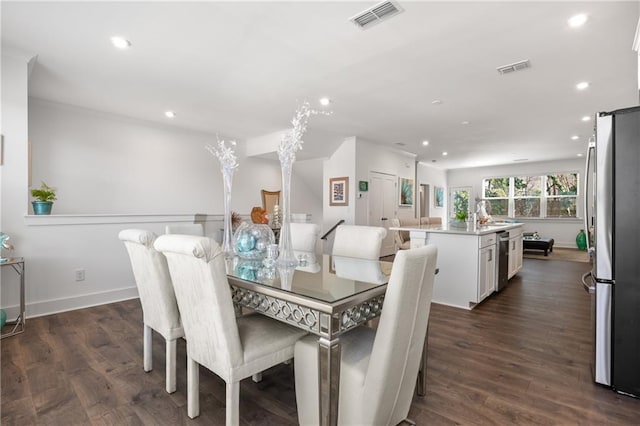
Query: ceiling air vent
x=375, y=14
x=516, y=66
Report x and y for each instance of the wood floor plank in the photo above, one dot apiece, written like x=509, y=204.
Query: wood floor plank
x=523, y=356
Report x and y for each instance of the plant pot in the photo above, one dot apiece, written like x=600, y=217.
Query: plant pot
x=42, y=207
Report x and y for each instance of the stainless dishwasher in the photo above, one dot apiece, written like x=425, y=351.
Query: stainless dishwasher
x=503, y=260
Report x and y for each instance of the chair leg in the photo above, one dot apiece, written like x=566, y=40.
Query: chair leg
x=171, y=366
x=233, y=403
x=146, y=349
x=193, y=388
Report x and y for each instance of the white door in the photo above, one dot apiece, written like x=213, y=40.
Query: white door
x=382, y=204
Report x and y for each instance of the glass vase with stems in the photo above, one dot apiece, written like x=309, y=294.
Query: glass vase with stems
x=287, y=257
x=290, y=143
x=227, y=235
x=228, y=165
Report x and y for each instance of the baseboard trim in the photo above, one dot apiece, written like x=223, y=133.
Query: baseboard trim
x=48, y=307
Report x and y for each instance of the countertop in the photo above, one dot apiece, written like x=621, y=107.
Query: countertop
x=445, y=228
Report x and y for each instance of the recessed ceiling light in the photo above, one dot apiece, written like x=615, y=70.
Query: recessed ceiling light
x=579, y=154
x=436, y=102
x=582, y=85
x=170, y=114
x=444, y=154
x=578, y=20
x=121, y=42
x=465, y=122
x=425, y=143
x=575, y=137
x=325, y=101
x=586, y=118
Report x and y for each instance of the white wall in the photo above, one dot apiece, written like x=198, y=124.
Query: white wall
x=432, y=176
x=111, y=173
x=341, y=163
x=13, y=122
x=104, y=163
x=371, y=157
x=563, y=231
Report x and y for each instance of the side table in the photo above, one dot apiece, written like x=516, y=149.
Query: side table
x=17, y=264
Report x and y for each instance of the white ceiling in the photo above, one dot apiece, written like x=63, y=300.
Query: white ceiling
x=240, y=69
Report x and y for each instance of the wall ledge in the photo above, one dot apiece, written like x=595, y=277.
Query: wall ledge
x=106, y=219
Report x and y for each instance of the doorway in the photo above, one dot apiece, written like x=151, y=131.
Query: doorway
x=382, y=206
x=423, y=206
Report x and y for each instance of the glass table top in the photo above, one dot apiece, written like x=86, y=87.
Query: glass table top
x=331, y=279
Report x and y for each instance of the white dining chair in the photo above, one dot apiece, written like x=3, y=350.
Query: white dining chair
x=304, y=237
x=358, y=241
x=378, y=369
x=159, y=307
x=185, y=229
x=232, y=347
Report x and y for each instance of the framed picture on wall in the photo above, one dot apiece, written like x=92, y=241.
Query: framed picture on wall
x=405, y=192
x=438, y=196
x=339, y=191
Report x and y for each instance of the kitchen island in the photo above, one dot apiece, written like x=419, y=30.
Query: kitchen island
x=467, y=259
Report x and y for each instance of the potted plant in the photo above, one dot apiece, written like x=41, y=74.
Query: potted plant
x=459, y=221
x=45, y=196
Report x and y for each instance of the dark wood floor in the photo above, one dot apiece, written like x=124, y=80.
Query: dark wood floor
x=521, y=357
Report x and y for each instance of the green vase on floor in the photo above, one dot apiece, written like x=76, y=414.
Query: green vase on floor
x=581, y=240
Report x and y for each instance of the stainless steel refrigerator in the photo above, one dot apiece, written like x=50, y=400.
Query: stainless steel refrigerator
x=612, y=218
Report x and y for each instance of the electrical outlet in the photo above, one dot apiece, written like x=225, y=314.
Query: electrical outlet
x=79, y=274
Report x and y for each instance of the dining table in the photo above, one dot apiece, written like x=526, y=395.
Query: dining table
x=327, y=299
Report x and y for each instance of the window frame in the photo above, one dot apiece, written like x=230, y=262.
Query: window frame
x=544, y=196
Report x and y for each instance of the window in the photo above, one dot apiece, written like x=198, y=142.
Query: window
x=460, y=200
x=562, y=195
x=551, y=195
x=496, y=192
x=527, y=194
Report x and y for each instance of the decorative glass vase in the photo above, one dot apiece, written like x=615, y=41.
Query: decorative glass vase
x=290, y=143
x=228, y=164
x=252, y=240
x=227, y=236
x=581, y=240
x=287, y=258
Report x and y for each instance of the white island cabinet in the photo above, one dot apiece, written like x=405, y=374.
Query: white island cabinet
x=515, y=251
x=467, y=260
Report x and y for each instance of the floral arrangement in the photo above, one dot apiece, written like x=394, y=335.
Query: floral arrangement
x=292, y=141
x=228, y=164
x=225, y=154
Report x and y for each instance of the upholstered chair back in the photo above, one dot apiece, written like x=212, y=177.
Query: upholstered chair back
x=232, y=348
x=304, y=237
x=431, y=220
x=159, y=308
x=185, y=229
x=378, y=368
x=358, y=241
x=200, y=283
x=406, y=307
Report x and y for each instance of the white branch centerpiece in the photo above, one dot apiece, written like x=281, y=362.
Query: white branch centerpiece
x=291, y=143
x=228, y=165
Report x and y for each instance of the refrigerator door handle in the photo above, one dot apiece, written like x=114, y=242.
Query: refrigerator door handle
x=587, y=198
x=588, y=287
